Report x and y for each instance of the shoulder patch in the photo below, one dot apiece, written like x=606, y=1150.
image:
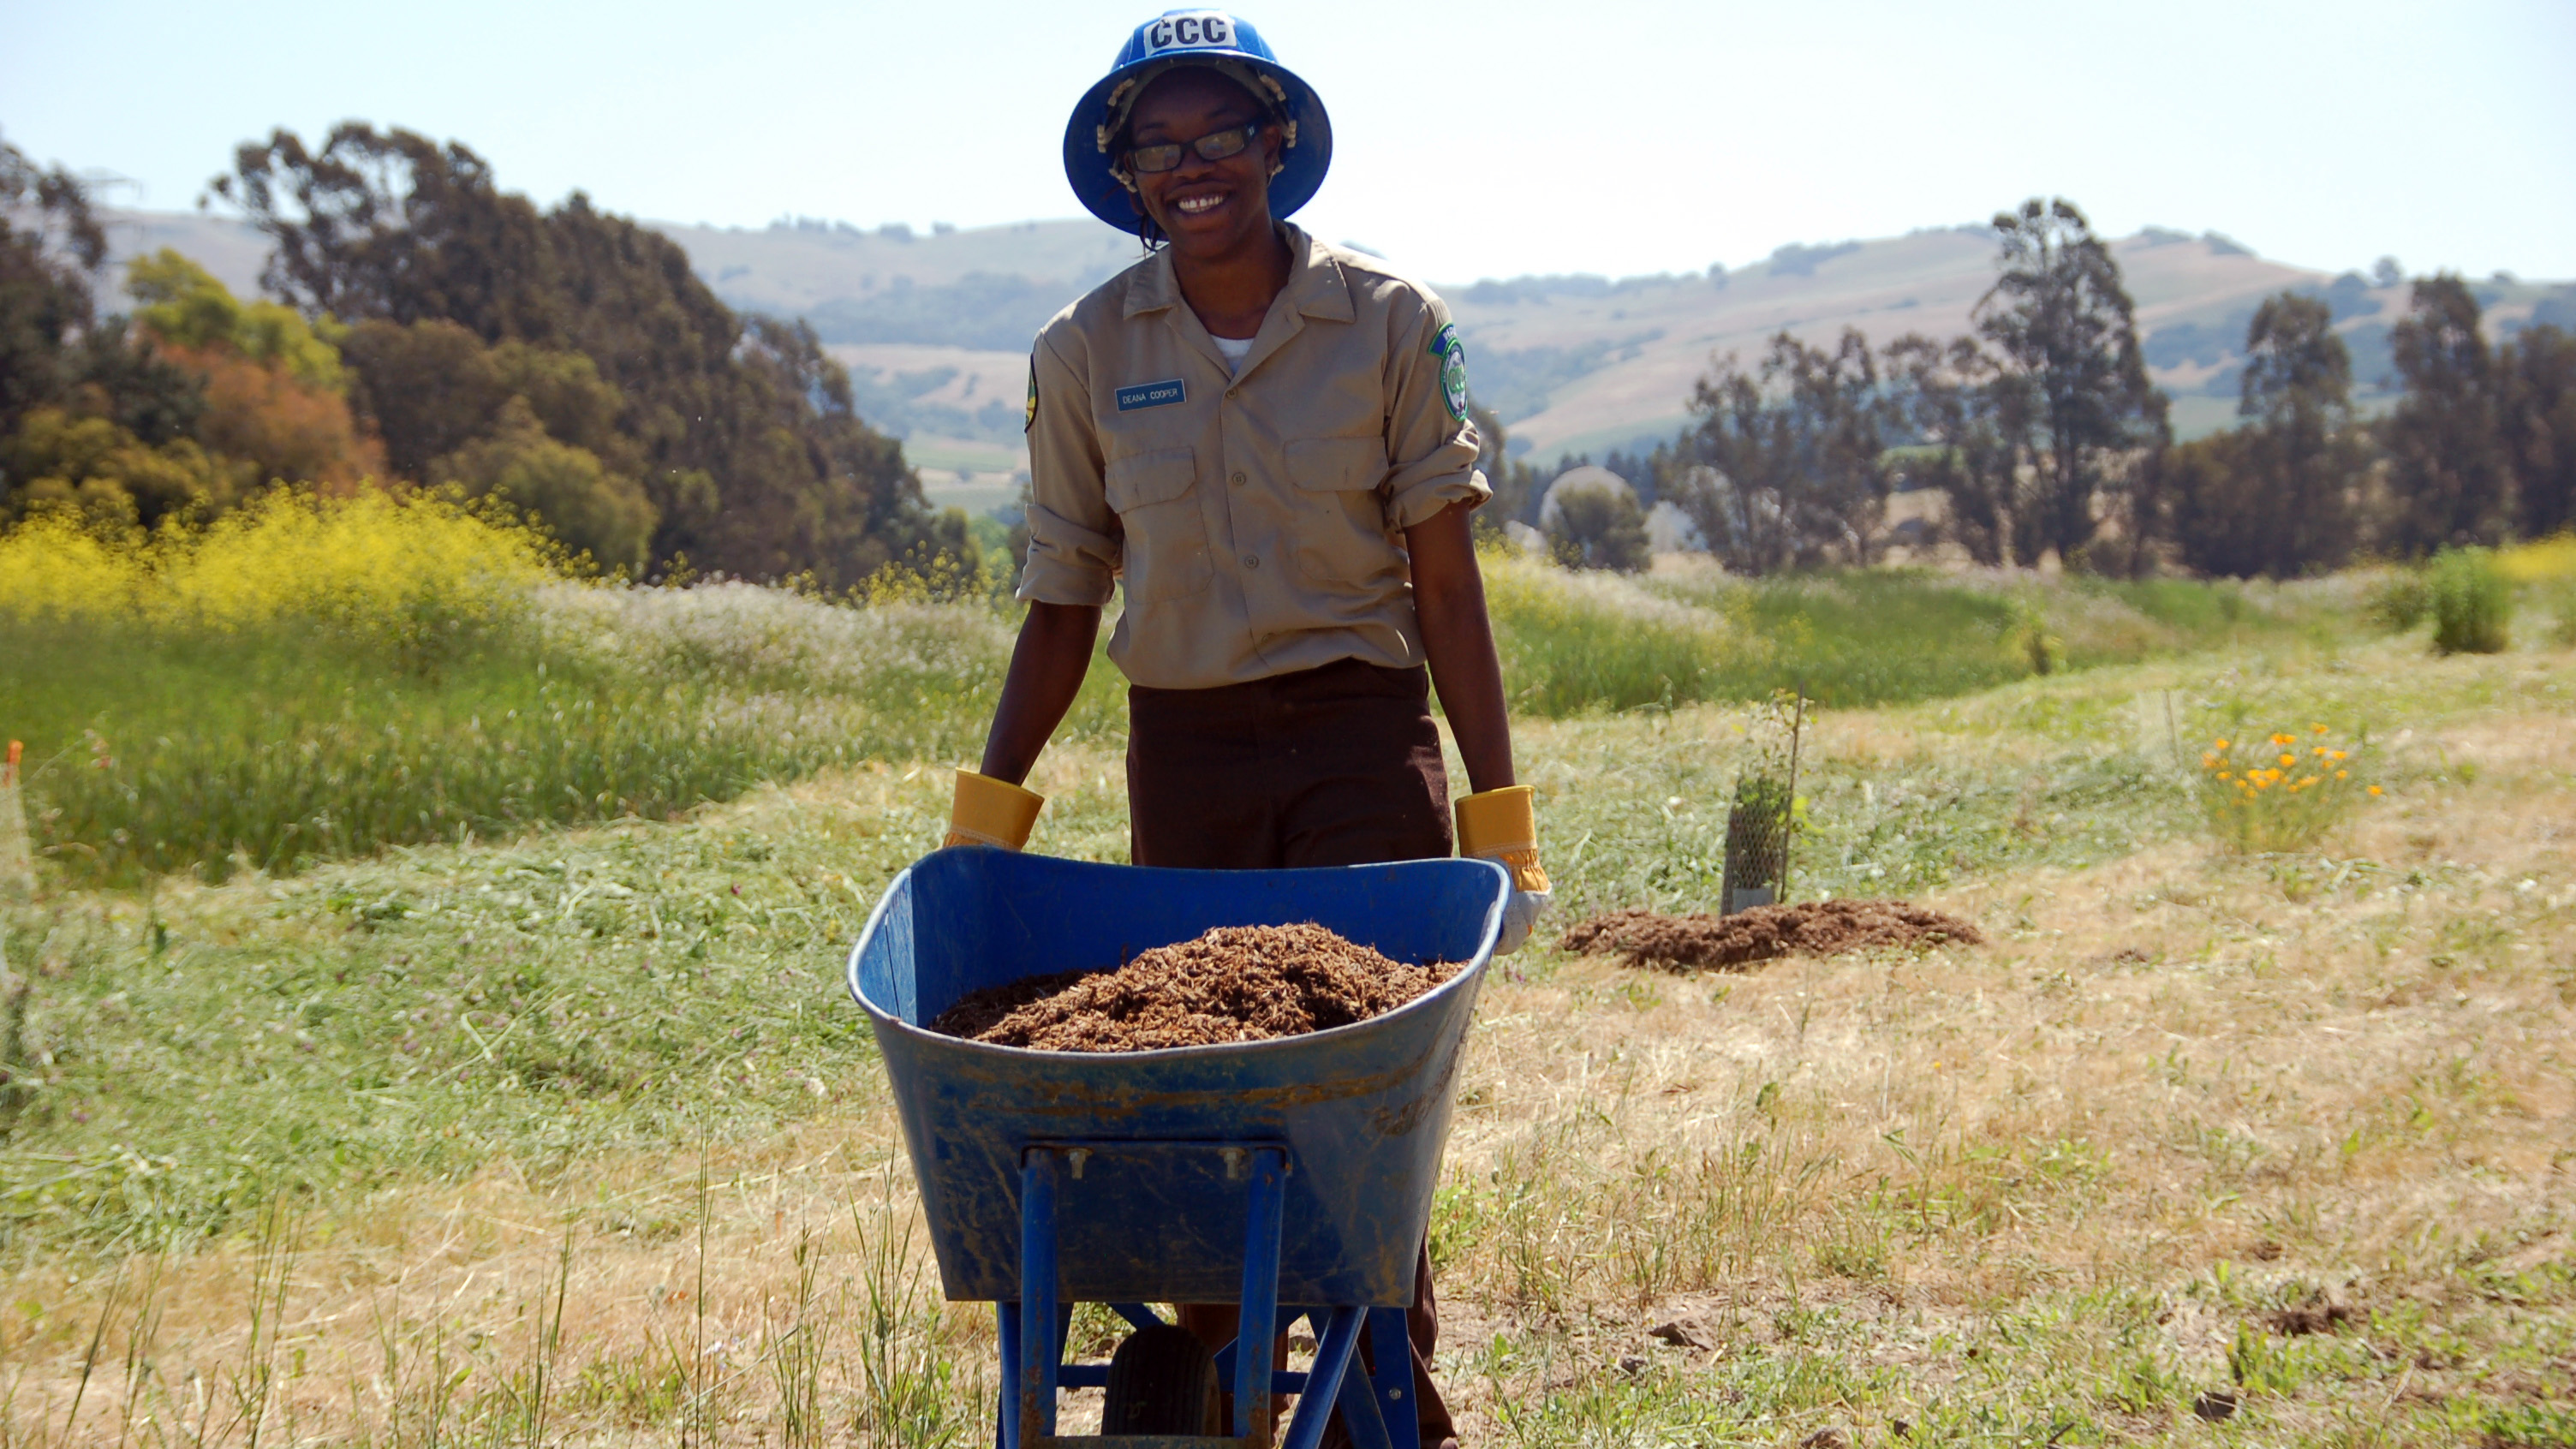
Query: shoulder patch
x=1453, y=369
x=1032, y=420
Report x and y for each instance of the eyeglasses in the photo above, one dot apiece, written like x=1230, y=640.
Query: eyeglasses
x=1214, y=146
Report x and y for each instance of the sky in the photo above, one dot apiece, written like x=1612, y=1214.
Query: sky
x=1472, y=140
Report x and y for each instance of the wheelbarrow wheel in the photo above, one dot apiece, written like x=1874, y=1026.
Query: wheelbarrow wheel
x=1162, y=1380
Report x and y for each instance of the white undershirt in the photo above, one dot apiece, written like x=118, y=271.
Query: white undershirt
x=1235, y=349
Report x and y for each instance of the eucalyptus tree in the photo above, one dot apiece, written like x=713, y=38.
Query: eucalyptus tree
x=1785, y=465
x=2060, y=320
x=2449, y=476
x=2276, y=495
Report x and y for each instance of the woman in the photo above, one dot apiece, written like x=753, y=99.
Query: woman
x=1266, y=437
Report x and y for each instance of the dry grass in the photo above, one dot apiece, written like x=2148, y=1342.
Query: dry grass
x=2287, y=1138
x=2179, y=1095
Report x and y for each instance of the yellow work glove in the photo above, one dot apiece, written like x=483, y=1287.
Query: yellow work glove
x=991, y=812
x=1499, y=826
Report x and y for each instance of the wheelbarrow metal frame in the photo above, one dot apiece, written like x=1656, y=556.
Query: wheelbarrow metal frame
x=1032, y=1337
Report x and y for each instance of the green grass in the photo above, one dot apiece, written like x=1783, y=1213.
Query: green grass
x=2472, y=602
x=550, y=996
x=415, y=1017
x=1848, y=638
x=167, y=750
x=164, y=748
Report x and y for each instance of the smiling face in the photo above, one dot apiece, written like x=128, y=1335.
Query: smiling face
x=1208, y=208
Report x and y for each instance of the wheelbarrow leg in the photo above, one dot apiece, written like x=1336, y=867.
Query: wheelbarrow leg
x=1336, y=1344
x=1359, y=1411
x=1006, y=1409
x=1264, y=1201
x=1040, y=1352
x=1391, y=1382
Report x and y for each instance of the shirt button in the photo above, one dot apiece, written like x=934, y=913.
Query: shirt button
x=1238, y=480
x=1252, y=560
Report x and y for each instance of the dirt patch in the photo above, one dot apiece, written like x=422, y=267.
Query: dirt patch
x=1236, y=983
x=2318, y=1316
x=1810, y=928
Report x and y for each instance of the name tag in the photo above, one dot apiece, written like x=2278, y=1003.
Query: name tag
x=1150, y=395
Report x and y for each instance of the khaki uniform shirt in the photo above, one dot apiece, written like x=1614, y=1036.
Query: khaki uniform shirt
x=1256, y=513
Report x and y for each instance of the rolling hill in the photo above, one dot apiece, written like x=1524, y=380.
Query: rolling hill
x=935, y=326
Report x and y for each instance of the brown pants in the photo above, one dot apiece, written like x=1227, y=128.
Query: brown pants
x=1338, y=765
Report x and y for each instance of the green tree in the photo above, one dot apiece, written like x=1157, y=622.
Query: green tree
x=2275, y=496
x=2060, y=318
x=2297, y=394
x=1836, y=435
x=1963, y=417
x=589, y=508
x=1725, y=474
x=428, y=388
x=127, y=377
x=2538, y=369
x=184, y=303
x=566, y=393
x=750, y=450
x=1786, y=466
x=2222, y=514
x=1599, y=528
x=272, y=383
x=1517, y=486
x=392, y=225
x=50, y=243
x=94, y=466
x=90, y=410
x=2448, y=474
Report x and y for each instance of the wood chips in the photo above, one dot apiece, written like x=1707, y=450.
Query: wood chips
x=1234, y=984
x=1809, y=928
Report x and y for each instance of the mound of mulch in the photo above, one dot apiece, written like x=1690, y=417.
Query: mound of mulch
x=1762, y=933
x=1234, y=984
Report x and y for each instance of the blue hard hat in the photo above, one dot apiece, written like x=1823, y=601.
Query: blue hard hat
x=1225, y=43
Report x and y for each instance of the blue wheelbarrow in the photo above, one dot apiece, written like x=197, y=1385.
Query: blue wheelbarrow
x=1292, y=1177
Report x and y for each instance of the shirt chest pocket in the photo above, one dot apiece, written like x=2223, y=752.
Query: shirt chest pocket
x=1156, y=497
x=1341, y=519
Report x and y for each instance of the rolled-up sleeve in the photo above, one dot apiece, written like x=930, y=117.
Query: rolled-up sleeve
x=1431, y=447
x=1074, y=539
